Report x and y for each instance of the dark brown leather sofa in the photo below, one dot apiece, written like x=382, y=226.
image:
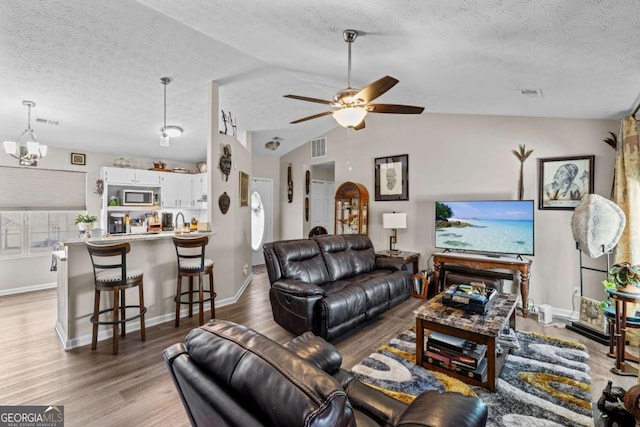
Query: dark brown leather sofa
x=330, y=284
x=229, y=375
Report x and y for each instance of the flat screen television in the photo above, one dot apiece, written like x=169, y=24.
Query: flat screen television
x=485, y=226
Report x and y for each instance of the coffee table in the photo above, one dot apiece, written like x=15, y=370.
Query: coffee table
x=480, y=328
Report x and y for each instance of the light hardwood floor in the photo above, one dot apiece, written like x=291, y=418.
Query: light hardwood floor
x=134, y=387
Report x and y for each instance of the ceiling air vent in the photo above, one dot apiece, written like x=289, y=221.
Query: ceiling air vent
x=531, y=93
x=318, y=148
x=47, y=121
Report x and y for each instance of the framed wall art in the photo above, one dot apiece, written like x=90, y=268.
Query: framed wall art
x=244, y=189
x=392, y=178
x=564, y=181
x=78, y=159
x=591, y=315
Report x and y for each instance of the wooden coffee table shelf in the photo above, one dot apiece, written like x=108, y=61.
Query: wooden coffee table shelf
x=483, y=329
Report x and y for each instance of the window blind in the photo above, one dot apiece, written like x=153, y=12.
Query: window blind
x=42, y=189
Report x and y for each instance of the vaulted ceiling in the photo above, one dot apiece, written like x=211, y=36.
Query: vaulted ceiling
x=96, y=66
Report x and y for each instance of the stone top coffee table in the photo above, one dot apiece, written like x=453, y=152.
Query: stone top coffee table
x=480, y=328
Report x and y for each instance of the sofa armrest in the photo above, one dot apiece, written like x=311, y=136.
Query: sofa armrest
x=316, y=351
x=297, y=288
x=449, y=409
x=395, y=264
x=377, y=405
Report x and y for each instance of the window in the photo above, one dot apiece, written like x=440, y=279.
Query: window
x=35, y=232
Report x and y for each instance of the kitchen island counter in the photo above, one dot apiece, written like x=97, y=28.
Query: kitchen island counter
x=152, y=253
x=129, y=237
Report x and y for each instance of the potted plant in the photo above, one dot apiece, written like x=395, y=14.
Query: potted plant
x=626, y=277
x=85, y=223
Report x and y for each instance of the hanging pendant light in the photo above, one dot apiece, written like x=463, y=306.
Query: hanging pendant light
x=167, y=132
x=27, y=149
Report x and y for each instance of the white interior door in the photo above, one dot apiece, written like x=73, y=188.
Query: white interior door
x=261, y=204
x=322, y=204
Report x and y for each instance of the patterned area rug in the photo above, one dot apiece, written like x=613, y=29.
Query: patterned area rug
x=544, y=383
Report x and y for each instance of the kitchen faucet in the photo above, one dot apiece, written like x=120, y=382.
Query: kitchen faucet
x=179, y=225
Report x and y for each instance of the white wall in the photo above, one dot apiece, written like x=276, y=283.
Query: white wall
x=466, y=157
x=29, y=273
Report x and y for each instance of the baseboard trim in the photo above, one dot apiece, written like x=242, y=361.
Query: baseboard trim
x=24, y=289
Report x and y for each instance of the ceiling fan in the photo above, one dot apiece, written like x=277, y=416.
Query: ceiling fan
x=352, y=105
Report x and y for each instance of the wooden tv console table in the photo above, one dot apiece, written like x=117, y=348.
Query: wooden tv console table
x=484, y=262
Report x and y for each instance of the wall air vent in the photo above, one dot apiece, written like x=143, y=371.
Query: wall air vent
x=318, y=148
x=531, y=93
x=48, y=122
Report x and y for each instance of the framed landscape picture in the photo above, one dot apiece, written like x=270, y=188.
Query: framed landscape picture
x=563, y=182
x=392, y=178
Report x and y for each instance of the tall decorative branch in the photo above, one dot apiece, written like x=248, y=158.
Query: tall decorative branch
x=522, y=154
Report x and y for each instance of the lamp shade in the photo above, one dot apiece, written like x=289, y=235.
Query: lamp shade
x=394, y=220
x=349, y=117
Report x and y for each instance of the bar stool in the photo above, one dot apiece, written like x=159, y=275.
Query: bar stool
x=192, y=263
x=111, y=275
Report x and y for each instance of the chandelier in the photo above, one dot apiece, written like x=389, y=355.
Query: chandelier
x=27, y=149
x=167, y=132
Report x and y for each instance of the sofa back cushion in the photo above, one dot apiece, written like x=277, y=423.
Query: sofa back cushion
x=347, y=255
x=301, y=260
x=276, y=385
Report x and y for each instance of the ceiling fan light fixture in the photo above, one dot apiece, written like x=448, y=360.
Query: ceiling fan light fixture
x=350, y=117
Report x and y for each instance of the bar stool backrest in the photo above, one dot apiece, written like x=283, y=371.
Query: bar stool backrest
x=113, y=256
x=189, y=248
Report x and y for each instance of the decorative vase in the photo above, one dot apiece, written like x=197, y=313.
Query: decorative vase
x=88, y=226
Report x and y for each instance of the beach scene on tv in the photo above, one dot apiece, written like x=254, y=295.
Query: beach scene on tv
x=504, y=227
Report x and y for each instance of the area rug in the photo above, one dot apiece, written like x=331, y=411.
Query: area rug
x=544, y=383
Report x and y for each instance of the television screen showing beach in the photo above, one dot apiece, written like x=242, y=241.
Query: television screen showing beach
x=504, y=227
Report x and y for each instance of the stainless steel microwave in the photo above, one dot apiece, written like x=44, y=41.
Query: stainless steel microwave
x=137, y=198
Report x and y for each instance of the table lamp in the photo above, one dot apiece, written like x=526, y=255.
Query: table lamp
x=394, y=221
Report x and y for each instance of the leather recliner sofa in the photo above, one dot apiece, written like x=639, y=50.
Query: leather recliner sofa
x=229, y=375
x=330, y=284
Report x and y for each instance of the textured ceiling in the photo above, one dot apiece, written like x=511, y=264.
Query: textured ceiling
x=96, y=66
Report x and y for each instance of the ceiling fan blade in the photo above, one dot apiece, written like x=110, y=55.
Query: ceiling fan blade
x=359, y=126
x=375, y=89
x=306, y=98
x=315, y=116
x=394, y=109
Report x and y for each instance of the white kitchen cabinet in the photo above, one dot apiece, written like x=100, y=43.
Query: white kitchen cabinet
x=199, y=190
x=123, y=176
x=176, y=191
x=148, y=177
x=118, y=176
